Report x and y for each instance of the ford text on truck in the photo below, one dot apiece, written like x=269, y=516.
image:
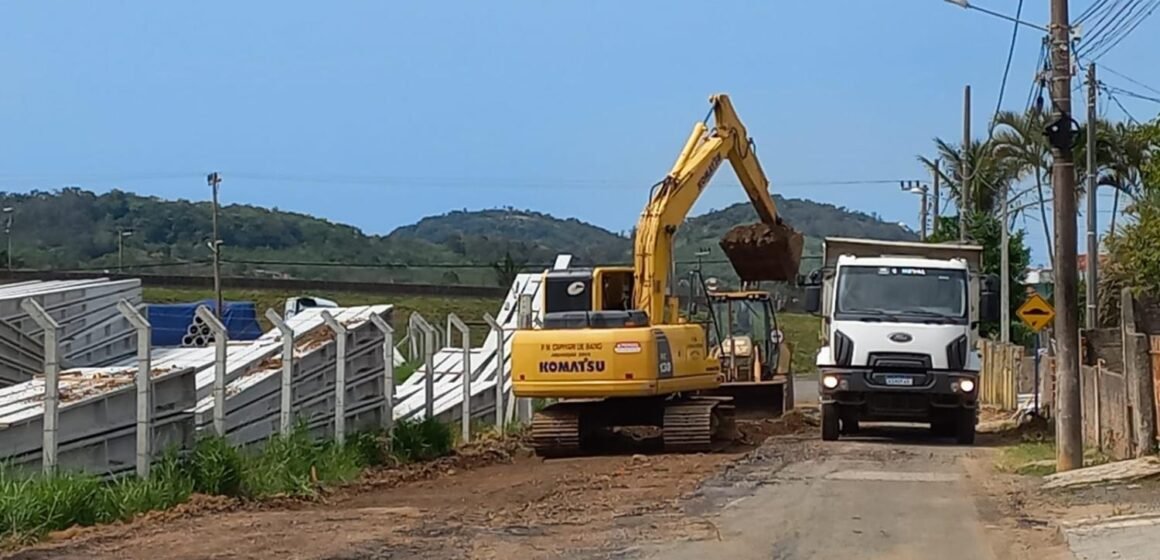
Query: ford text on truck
x=900, y=332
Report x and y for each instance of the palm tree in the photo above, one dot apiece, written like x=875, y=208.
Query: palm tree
x=1019, y=141
x=507, y=269
x=988, y=174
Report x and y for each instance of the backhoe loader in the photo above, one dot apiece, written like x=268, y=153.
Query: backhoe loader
x=612, y=350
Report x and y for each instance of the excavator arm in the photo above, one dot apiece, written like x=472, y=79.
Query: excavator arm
x=777, y=246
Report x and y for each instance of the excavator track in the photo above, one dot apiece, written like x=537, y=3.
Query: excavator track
x=687, y=424
x=556, y=431
x=693, y=425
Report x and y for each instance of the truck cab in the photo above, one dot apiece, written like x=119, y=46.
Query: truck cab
x=900, y=330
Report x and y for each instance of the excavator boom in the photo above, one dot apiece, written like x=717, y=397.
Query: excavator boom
x=769, y=251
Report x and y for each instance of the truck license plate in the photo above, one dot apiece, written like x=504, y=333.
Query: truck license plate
x=900, y=381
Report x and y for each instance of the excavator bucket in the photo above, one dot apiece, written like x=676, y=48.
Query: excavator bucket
x=764, y=253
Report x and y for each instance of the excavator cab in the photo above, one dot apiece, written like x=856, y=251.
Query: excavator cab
x=604, y=288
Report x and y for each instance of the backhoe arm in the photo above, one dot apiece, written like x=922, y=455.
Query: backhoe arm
x=673, y=198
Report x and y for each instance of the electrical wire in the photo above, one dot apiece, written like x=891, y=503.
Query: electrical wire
x=1007, y=67
x=1092, y=9
x=1104, y=67
x=1133, y=14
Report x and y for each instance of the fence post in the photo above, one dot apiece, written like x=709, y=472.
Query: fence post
x=339, y=376
x=416, y=320
x=500, y=367
x=1138, y=376
x=51, y=380
x=388, y=375
x=285, y=416
x=453, y=321
x=144, y=404
x=219, y=368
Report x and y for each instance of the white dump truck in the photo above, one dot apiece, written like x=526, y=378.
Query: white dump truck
x=901, y=325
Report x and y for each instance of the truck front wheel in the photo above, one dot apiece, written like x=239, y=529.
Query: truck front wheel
x=965, y=426
x=830, y=422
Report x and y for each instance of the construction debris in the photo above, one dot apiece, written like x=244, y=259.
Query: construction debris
x=1111, y=473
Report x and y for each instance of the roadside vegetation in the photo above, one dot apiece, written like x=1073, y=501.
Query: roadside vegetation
x=805, y=333
x=1037, y=458
x=32, y=505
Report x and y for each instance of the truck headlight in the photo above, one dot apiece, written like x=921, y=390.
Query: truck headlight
x=967, y=385
x=830, y=381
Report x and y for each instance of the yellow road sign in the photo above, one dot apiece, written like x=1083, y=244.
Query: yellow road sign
x=1036, y=312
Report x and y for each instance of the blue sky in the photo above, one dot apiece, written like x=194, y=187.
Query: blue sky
x=380, y=113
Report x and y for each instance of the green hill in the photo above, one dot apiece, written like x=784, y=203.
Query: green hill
x=77, y=229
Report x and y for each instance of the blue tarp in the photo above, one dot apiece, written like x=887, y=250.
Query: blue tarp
x=171, y=321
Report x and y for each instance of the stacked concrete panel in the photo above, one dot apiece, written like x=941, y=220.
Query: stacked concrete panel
x=485, y=367
x=253, y=392
x=96, y=430
x=92, y=332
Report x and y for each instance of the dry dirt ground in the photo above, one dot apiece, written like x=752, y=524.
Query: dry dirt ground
x=751, y=501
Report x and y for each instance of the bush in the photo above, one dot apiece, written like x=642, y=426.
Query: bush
x=421, y=440
x=33, y=504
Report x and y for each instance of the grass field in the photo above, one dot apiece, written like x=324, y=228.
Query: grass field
x=804, y=332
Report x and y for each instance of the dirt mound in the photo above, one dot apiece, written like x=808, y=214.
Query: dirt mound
x=484, y=451
x=761, y=252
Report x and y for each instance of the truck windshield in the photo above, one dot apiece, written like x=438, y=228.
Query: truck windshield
x=873, y=291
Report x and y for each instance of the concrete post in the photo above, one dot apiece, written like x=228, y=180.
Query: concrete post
x=1138, y=376
x=501, y=413
x=339, y=376
x=388, y=375
x=51, y=380
x=429, y=333
x=144, y=388
x=219, y=368
x=464, y=332
x=285, y=409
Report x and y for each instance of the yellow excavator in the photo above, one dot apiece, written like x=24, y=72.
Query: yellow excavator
x=613, y=350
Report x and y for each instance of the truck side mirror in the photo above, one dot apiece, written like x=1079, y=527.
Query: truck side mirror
x=814, y=299
x=990, y=296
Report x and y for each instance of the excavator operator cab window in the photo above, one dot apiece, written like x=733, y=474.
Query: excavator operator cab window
x=615, y=289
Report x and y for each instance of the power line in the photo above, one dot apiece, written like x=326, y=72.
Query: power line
x=1091, y=10
x=1126, y=25
x=1105, y=68
x=1007, y=67
x=1134, y=94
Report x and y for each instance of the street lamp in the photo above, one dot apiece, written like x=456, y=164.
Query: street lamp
x=915, y=187
x=121, y=235
x=9, y=211
x=967, y=5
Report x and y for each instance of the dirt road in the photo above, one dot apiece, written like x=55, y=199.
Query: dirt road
x=791, y=498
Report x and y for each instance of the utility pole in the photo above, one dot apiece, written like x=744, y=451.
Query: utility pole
x=1068, y=429
x=122, y=233
x=934, y=202
x=1004, y=268
x=8, y=233
x=1093, y=244
x=965, y=167
x=922, y=211
x=215, y=180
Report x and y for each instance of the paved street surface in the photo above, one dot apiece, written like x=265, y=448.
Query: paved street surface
x=1124, y=538
x=868, y=498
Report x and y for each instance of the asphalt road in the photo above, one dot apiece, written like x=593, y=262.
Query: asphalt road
x=865, y=498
